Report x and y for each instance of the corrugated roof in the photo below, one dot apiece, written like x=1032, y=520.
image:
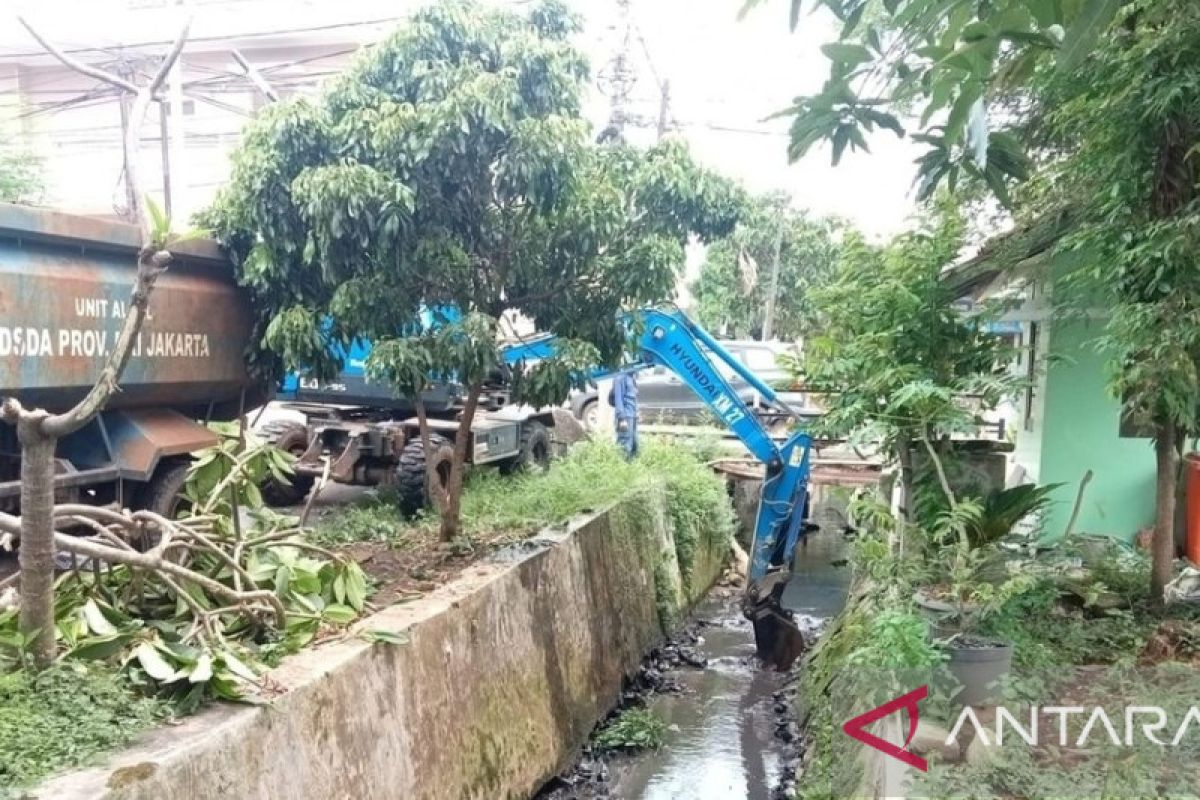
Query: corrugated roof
x=1009, y=256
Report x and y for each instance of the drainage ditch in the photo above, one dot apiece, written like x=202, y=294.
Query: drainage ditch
x=731, y=732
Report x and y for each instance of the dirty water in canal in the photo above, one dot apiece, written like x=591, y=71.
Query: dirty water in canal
x=731, y=734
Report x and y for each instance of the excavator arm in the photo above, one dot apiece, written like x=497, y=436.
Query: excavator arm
x=672, y=340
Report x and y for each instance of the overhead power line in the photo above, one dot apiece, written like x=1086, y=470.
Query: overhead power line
x=221, y=38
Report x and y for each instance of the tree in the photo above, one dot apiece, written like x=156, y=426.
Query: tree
x=728, y=297
x=450, y=172
x=1119, y=141
x=20, y=175
x=1113, y=124
x=38, y=431
x=895, y=357
x=944, y=69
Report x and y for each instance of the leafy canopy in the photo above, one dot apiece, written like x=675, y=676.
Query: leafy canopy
x=729, y=294
x=1121, y=160
x=894, y=352
x=20, y=175
x=451, y=167
x=931, y=70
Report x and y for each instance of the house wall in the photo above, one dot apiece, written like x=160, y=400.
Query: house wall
x=79, y=144
x=1027, y=451
x=1079, y=430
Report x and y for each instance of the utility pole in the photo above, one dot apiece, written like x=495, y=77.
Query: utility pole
x=164, y=138
x=768, y=328
x=177, y=179
x=617, y=79
x=664, y=109
x=125, y=70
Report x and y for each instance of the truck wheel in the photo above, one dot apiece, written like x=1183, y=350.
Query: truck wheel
x=590, y=416
x=535, y=449
x=291, y=437
x=411, y=474
x=164, y=495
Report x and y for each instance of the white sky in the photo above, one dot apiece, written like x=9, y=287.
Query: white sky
x=724, y=73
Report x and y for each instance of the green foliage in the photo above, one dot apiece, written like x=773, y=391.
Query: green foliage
x=451, y=168
x=592, y=475
x=728, y=297
x=633, y=729
x=897, y=639
x=20, y=175
x=944, y=65
x=64, y=717
x=1124, y=163
x=895, y=356
x=1003, y=509
x=376, y=519
x=179, y=637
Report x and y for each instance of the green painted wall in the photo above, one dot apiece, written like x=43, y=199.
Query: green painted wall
x=1080, y=431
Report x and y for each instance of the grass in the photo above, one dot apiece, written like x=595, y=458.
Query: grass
x=375, y=519
x=594, y=474
x=633, y=729
x=65, y=717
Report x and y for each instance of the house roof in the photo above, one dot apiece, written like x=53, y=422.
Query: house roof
x=1008, y=257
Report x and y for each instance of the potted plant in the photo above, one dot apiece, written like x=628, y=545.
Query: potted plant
x=978, y=662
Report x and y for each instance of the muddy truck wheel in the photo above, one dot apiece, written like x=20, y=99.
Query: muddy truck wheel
x=163, y=495
x=411, y=476
x=291, y=437
x=535, y=449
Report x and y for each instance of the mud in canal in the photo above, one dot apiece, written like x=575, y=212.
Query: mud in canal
x=731, y=731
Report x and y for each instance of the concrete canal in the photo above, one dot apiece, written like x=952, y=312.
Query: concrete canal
x=730, y=734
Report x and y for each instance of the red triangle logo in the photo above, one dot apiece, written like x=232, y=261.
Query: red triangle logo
x=857, y=728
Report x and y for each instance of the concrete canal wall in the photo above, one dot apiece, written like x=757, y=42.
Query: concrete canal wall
x=505, y=673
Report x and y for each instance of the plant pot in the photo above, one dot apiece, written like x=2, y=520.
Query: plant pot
x=945, y=617
x=979, y=667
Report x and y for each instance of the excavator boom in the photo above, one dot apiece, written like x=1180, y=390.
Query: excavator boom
x=672, y=340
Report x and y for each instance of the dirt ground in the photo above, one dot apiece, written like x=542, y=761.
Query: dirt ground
x=404, y=569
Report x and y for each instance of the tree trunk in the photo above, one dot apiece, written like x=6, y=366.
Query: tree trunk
x=905, y=457
x=36, y=555
x=39, y=431
x=451, y=513
x=1167, y=458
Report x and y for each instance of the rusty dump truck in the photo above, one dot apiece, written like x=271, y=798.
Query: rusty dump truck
x=65, y=282
x=65, y=285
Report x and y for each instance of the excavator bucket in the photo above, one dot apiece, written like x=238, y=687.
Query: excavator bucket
x=777, y=637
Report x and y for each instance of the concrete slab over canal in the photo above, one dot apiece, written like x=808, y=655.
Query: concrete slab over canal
x=506, y=672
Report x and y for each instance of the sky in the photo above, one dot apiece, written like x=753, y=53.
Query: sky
x=726, y=77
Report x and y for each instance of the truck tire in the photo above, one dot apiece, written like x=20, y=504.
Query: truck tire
x=291, y=437
x=589, y=415
x=535, y=451
x=411, y=483
x=163, y=495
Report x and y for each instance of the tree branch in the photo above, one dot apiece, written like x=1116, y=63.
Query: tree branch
x=77, y=65
x=255, y=76
x=941, y=471
x=169, y=59
x=151, y=264
x=151, y=560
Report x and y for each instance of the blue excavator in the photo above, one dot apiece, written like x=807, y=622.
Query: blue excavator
x=670, y=339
